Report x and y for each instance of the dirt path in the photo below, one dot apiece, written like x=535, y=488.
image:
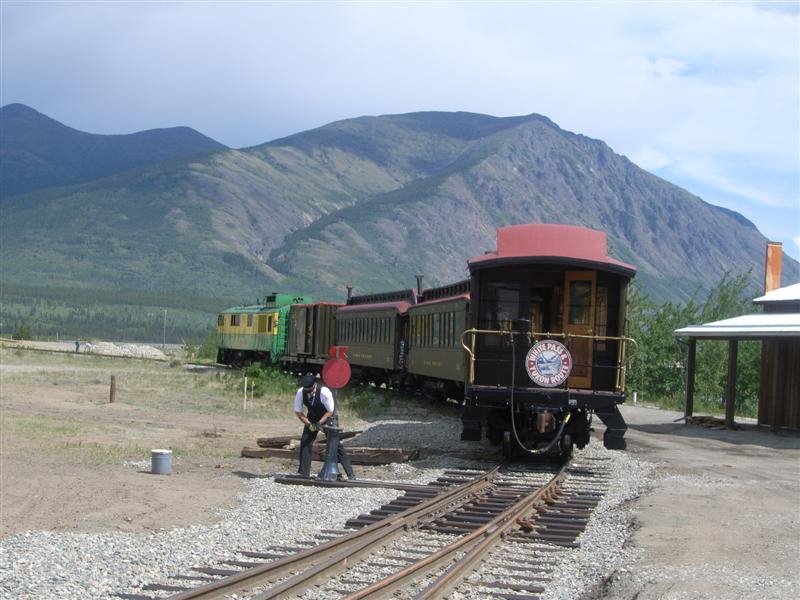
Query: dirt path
x=723, y=516
x=71, y=461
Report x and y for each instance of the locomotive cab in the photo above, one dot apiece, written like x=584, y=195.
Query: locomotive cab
x=546, y=348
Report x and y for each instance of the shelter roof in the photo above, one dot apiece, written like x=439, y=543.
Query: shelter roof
x=789, y=293
x=756, y=326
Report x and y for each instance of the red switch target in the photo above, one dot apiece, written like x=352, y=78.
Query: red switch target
x=336, y=373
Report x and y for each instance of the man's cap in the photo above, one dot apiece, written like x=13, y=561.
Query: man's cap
x=308, y=380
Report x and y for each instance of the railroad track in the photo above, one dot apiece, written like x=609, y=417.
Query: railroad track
x=493, y=534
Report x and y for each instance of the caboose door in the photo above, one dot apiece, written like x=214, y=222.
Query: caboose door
x=579, y=295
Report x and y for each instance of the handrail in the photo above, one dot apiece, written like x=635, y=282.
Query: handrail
x=622, y=363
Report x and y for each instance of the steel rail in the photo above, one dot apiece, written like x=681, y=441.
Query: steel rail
x=323, y=559
x=476, y=545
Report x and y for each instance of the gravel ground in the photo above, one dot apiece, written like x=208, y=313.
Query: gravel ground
x=46, y=565
x=615, y=559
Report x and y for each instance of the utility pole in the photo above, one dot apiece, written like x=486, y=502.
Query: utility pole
x=164, y=333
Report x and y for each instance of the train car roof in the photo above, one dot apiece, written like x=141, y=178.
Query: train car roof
x=318, y=304
x=551, y=244
x=400, y=307
x=440, y=300
x=252, y=308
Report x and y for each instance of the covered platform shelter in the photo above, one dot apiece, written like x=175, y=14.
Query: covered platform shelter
x=778, y=328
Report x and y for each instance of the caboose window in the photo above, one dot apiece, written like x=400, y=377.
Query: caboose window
x=249, y=320
x=235, y=320
x=501, y=306
x=221, y=320
x=580, y=302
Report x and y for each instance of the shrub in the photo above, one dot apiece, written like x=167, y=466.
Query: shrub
x=22, y=332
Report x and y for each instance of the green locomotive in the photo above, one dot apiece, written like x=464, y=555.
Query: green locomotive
x=257, y=332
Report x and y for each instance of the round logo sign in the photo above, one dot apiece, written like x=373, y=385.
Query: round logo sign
x=548, y=363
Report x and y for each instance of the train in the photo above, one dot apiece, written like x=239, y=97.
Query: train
x=532, y=344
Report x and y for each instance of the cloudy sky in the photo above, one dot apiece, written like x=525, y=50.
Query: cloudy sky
x=704, y=94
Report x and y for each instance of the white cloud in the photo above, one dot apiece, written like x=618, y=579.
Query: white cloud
x=709, y=90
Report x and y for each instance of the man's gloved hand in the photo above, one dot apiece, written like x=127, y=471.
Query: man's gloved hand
x=312, y=427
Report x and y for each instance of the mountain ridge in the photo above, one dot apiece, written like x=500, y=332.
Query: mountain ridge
x=370, y=201
x=39, y=152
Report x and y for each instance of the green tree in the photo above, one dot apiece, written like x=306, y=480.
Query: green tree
x=208, y=349
x=658, y=371
x=22, y=332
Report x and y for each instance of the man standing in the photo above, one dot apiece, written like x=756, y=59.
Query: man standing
x=318, y=401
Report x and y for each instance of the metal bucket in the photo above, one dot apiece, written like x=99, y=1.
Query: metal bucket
x=161, y=462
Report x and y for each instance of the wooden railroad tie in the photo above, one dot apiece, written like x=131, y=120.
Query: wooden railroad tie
x=275, y=447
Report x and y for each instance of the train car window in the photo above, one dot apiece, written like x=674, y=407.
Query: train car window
x=499, y=308
x=249, y=320
x=435, y=330
x=539, y=309
x=235, y=320
x=221, y=320
x=601, y=315
x=451, y=329
x=580, y=302
x=428, y=334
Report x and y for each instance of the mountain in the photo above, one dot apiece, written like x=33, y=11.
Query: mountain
x=38, y=152
x=369, y=201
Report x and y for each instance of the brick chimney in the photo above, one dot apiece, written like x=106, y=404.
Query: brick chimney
x=772, y=269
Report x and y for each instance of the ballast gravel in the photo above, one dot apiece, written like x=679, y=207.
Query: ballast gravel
x=45, y=565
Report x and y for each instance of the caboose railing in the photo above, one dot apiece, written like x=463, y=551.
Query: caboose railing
x=622, y=346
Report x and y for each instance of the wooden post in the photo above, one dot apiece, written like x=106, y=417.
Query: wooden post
x=690, y=363
x=113, y=393
x=730, y=393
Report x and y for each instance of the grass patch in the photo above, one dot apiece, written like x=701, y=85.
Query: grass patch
x=31, y=427
x=95, y=453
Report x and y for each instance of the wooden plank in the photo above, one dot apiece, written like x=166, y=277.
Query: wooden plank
x=284, y=440
x=358, y=456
